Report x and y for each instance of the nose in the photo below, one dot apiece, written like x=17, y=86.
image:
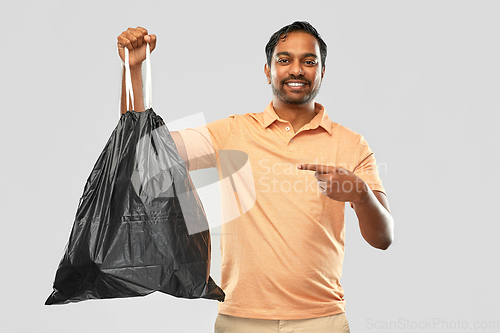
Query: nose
x=296, y=69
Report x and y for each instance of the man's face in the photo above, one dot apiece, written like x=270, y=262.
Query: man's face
x=295, y=74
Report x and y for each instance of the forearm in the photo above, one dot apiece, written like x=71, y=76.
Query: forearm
x=136, y=75
x=375, y=220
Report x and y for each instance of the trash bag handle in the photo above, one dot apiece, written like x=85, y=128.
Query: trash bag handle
x=128, y=81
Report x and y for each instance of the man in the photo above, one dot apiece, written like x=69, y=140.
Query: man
x=282, y=254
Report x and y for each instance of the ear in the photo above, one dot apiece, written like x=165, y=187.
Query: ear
x=267, y=71
x=323, y=72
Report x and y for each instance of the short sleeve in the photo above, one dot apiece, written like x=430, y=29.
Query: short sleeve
x=202, y=143
x=367, y=168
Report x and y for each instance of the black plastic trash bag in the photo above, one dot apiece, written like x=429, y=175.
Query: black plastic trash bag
x=140, y=226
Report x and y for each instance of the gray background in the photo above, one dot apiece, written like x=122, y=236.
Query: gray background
x=419, y=79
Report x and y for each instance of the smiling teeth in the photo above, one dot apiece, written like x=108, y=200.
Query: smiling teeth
x=293, y=84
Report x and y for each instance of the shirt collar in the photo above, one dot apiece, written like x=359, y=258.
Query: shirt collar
x=321, y=118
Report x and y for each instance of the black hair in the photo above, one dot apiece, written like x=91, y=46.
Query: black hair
x=295, y=26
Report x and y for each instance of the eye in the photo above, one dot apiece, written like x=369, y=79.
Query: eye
x=283, y=61
x=310, y=62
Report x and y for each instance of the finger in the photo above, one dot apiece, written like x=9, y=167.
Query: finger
x=314, y=167
x=124, y=40
x=136, y=37
x=143, y=31
x=322, y=176
x=151, y=39
x=310, y=167
x=322, y=189
x=128, y=40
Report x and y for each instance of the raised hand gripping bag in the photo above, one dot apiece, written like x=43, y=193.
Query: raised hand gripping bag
x=140, y=226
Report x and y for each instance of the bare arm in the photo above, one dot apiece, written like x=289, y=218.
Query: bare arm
x=371, y=207
x=375, y=220
x=134, y=39
x=136, y=75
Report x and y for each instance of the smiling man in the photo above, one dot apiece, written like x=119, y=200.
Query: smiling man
x=298, y=70
x=282, y=255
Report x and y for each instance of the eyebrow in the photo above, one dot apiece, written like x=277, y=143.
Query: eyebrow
x=305, y=55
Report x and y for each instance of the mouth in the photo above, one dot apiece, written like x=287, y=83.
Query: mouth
x=296, y=85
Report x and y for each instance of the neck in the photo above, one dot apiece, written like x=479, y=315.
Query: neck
x=297, y=115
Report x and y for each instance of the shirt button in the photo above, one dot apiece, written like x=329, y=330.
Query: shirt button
x=287, y=128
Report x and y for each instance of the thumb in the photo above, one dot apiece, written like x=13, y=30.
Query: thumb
x=151, y=39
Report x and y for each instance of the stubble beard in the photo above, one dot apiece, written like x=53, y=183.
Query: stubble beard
x=287, y=98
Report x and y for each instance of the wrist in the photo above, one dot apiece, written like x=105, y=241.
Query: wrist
x=136, y=68
x=133, y=67
x=361, y=192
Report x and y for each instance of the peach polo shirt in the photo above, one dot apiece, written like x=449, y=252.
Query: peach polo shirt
x=282, y=240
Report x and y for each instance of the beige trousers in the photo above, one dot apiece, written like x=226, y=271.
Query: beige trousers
x=330, y=324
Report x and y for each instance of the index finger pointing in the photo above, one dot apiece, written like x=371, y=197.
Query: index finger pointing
x=314, y=167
